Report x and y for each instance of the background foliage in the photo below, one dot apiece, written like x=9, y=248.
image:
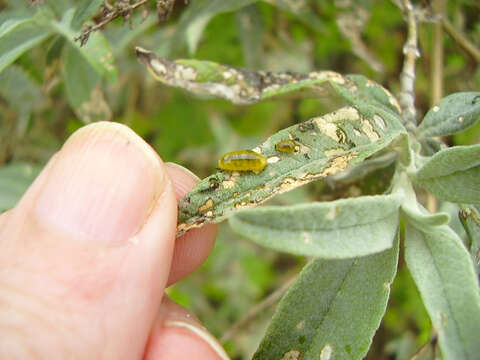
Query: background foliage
x=50, y=86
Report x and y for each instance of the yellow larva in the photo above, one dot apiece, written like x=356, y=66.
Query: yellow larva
x=243, y=160
x=287, y=146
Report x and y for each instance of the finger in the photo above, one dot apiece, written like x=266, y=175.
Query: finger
x=87, y=252
x=192, y=248
x=178, y=335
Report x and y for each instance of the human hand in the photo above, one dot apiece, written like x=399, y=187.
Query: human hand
x=86, y=254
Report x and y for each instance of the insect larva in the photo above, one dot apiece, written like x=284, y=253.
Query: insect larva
x=243, y=160
x=287, y=146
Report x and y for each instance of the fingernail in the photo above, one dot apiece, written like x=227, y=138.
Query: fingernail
x=178, y=318
x=102, y=186
x=197, y=332
x=182, y=169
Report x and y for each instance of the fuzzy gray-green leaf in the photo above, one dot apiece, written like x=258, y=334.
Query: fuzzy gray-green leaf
x=451, y=115
x=453, y=174
x=323, y=315
x=444, y=274
x=343, y=228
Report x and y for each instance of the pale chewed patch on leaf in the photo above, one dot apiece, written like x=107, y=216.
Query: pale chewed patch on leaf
x=326, y=353
x=292, y=355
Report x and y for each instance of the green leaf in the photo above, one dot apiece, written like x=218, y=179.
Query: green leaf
x=421, y=217
x=80, y=78
x=19, y=89
x=198, y=14
x=82, y=87
x=332, y=310
x=451, y=115
x=470, y=219
x=302, y=10
x=250, y=30
x=22, y=94
x=84, y=11
x=443, y=272
x=55, y=47
x=343, y=228
x=96, y=51
x=15, y=178
x=453, y=174
x=19, y=35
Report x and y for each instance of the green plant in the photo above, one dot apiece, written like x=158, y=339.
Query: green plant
x=336, y=304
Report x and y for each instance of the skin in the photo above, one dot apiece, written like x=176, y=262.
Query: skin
x=88, y=251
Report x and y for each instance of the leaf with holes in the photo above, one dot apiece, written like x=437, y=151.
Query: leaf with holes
x=241, y=86
x=322, y=316
x=322, y=146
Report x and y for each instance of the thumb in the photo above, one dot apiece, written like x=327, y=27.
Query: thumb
x=86, y=253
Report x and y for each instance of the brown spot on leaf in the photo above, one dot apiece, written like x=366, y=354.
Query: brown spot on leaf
x=207, y=206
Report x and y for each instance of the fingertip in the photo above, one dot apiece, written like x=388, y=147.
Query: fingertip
x=192, y=248
x=183, y=179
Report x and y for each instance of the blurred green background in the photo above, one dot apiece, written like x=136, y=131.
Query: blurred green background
x=54, y=87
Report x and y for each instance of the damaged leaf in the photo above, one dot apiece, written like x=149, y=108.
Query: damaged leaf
x=243, y=87
x=326, y=144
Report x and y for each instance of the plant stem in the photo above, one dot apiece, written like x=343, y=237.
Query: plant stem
x=114, y=12
x=437, y=54
x=407, y=77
